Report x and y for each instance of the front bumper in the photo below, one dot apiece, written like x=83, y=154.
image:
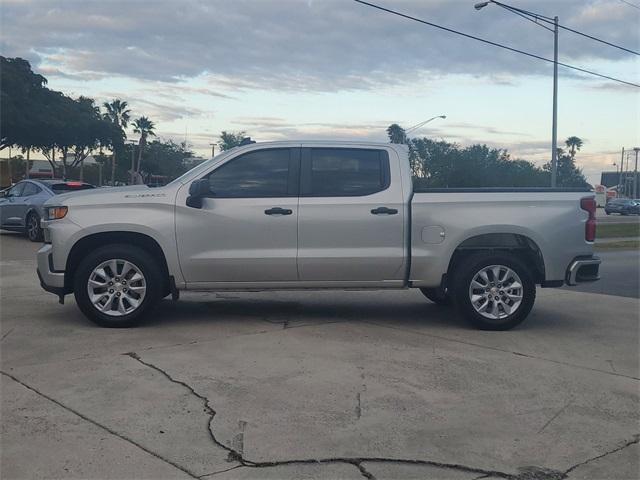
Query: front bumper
x=51, y=280
x=583, y=270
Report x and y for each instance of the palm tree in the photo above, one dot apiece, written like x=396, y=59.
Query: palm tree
x=144, y=127
x=119, y=115
x=396, y=134
x=573, y=143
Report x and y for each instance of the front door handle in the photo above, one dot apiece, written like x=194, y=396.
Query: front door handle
x=278, y=211
x=384, y=211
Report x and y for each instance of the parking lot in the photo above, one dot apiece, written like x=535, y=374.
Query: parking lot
x=380, y=385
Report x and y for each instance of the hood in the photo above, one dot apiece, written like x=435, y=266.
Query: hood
x=110, y=195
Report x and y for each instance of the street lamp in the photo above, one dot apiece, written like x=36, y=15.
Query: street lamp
x=421, y=124
x=635, y=175
x=535, y=18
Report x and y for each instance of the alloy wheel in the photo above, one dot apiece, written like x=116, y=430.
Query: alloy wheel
x=116, y=287
x=496, y=292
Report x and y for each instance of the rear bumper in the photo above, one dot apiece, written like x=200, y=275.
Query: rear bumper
x=583, y=270
x=51, y=280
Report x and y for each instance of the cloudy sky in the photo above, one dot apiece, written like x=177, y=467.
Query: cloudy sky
x=337, y=69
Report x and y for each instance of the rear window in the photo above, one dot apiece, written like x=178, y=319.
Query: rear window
x=70, y=187
x=334, y=172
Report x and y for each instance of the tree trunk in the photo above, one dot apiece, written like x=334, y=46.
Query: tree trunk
x=64, y=162
x=28, y=166
x=142, y=142
x=113, y=168
x=81, y=170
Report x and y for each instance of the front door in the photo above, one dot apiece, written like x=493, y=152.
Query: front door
x=352, y=217
x=246, y=230
x=11, y=206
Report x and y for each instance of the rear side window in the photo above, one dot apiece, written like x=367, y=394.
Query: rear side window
x=69, y=187
x=258, y=174
x=30, y=189
x=344, y=172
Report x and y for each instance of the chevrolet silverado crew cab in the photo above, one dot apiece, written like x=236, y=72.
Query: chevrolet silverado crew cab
x=315, y=215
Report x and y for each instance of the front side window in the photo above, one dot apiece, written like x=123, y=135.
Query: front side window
x=262, y=173
x=345, y=172
x=16, y=190
x=30, y=189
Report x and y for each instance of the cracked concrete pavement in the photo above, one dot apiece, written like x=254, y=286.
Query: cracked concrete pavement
x=380, y=385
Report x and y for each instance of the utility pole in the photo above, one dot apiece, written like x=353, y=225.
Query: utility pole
x=621, y=168
x=539, y=20
x=554, y=133
x=635, y=175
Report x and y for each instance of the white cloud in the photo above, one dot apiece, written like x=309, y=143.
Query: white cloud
x=323, y=45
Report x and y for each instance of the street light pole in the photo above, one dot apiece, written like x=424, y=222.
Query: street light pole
x=422, y=124
x=537, y=19
x=635, y=175
x=554, y=133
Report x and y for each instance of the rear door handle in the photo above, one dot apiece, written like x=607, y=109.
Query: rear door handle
x=384, y=211
x=278, y=211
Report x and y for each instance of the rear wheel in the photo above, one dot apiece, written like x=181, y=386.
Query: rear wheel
x=494, y=291
x=116, y=285
x=438, y=295
x=33, y=230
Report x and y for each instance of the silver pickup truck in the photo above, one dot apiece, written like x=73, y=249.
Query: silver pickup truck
x=315, y=215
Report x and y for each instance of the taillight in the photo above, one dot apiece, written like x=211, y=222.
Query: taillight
x=589, y=205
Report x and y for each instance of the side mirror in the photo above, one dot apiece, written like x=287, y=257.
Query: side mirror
x=197, y=190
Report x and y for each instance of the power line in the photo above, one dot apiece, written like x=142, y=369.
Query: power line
x=599, y=40
x=524, y=13
x=495, y=44
x=631, y=4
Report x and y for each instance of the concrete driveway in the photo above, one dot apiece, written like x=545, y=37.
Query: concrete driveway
x=381, y=385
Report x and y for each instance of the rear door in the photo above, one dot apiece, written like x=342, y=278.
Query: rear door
x=351, y=220
x=246, y=230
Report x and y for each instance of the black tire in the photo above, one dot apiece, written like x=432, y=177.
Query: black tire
x=437, y=295
x=32, y=227
x=153, y=277
x=466, y=272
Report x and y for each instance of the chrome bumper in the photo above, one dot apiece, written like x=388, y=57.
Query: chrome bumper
x=51, y=280
x=583, y=270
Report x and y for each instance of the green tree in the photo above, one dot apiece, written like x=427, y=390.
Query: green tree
x=229, y=140
x=438, y=164
x=396, y=134
x=573, y=144
x=23, y=114
x=568, y=175
x=166, y=158
x=118, y=113
x=144, y=127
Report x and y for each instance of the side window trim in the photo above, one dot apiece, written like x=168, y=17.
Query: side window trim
x=305, y=173
x=293, y=180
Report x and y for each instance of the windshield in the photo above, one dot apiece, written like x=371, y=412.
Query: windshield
x=203, y=166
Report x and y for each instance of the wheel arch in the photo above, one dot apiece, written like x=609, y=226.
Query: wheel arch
x=96, y=240
x=517, y=244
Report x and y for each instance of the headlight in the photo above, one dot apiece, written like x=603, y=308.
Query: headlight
x=56, y=213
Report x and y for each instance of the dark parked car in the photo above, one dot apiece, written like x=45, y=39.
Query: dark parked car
x=623, y=206
x=21, y=205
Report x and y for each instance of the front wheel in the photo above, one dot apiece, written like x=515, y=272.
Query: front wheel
x=116, y=285
x=494, y=291
x=33, y=230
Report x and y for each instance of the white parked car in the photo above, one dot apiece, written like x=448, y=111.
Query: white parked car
x=315, y=215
